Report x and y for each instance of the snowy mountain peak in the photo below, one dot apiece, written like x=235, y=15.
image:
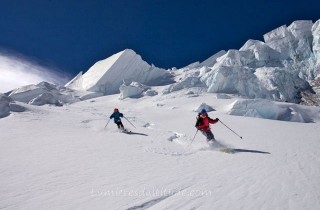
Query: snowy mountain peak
x=106, y=76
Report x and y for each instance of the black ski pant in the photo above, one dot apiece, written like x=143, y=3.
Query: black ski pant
x=208, y=134
x=119, y=124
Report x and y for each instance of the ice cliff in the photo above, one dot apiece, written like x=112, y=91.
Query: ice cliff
x=281, y=68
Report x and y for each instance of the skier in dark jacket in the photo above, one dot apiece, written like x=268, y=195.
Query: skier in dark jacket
x=203, y=124
x=116, y=115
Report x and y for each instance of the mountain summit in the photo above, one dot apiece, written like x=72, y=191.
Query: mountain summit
x=106, y=76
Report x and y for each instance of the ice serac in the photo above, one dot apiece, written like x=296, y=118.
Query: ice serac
x=281, y=40
x=301, y=29
x=316, y=39
x=281, y=68
x=293, y=41
x=8, y=105
x=274, y=110
x=133, y=90
x=4, y=105
x=213, y=59
x=236, y=58
x=106, y=76
x=263, y=54
x=44, y=93
x=75, y=82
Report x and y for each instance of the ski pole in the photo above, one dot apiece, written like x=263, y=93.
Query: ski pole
x=107, y=124
x=231, y=129
x=129, y=122
x=194, y=137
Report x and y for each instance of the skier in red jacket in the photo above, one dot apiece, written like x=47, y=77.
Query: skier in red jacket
x=203, y=124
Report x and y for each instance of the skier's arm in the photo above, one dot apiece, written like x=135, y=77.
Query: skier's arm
x=213, y=121
x=121, y=115
x=112, y=116
x=197, y=123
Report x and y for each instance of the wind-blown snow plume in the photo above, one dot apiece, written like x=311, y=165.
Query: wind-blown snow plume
x=16, y=72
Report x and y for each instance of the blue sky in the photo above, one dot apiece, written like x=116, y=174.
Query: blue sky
x=72, y=35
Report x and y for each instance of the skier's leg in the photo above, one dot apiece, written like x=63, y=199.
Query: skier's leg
x=205, y=134
x=210, y=136
x=118, y=124
x=121, y=125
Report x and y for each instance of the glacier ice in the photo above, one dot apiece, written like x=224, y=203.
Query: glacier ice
x=267, y=109
x=4, y=105
x=278, y=69
x=44, y=93
x=8, y=105
x=134, y=90
x=316, y=40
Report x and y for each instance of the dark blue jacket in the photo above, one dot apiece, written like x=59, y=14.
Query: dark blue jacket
x=116, y=116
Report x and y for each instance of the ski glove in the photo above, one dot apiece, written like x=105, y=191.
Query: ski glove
x=217, y=119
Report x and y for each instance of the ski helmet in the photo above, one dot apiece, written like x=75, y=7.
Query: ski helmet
x=203, y=111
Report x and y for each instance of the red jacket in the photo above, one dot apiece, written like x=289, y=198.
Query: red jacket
x=203, y=122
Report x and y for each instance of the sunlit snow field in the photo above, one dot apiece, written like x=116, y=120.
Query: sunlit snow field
x=64, y=157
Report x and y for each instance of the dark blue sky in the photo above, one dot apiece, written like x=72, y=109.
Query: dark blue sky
x=72, y=35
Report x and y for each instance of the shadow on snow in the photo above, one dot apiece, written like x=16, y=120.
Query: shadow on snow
x=249, y=151
x=135, y=133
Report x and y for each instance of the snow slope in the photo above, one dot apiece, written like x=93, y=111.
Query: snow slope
x=63, y=158
x=67, y=158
